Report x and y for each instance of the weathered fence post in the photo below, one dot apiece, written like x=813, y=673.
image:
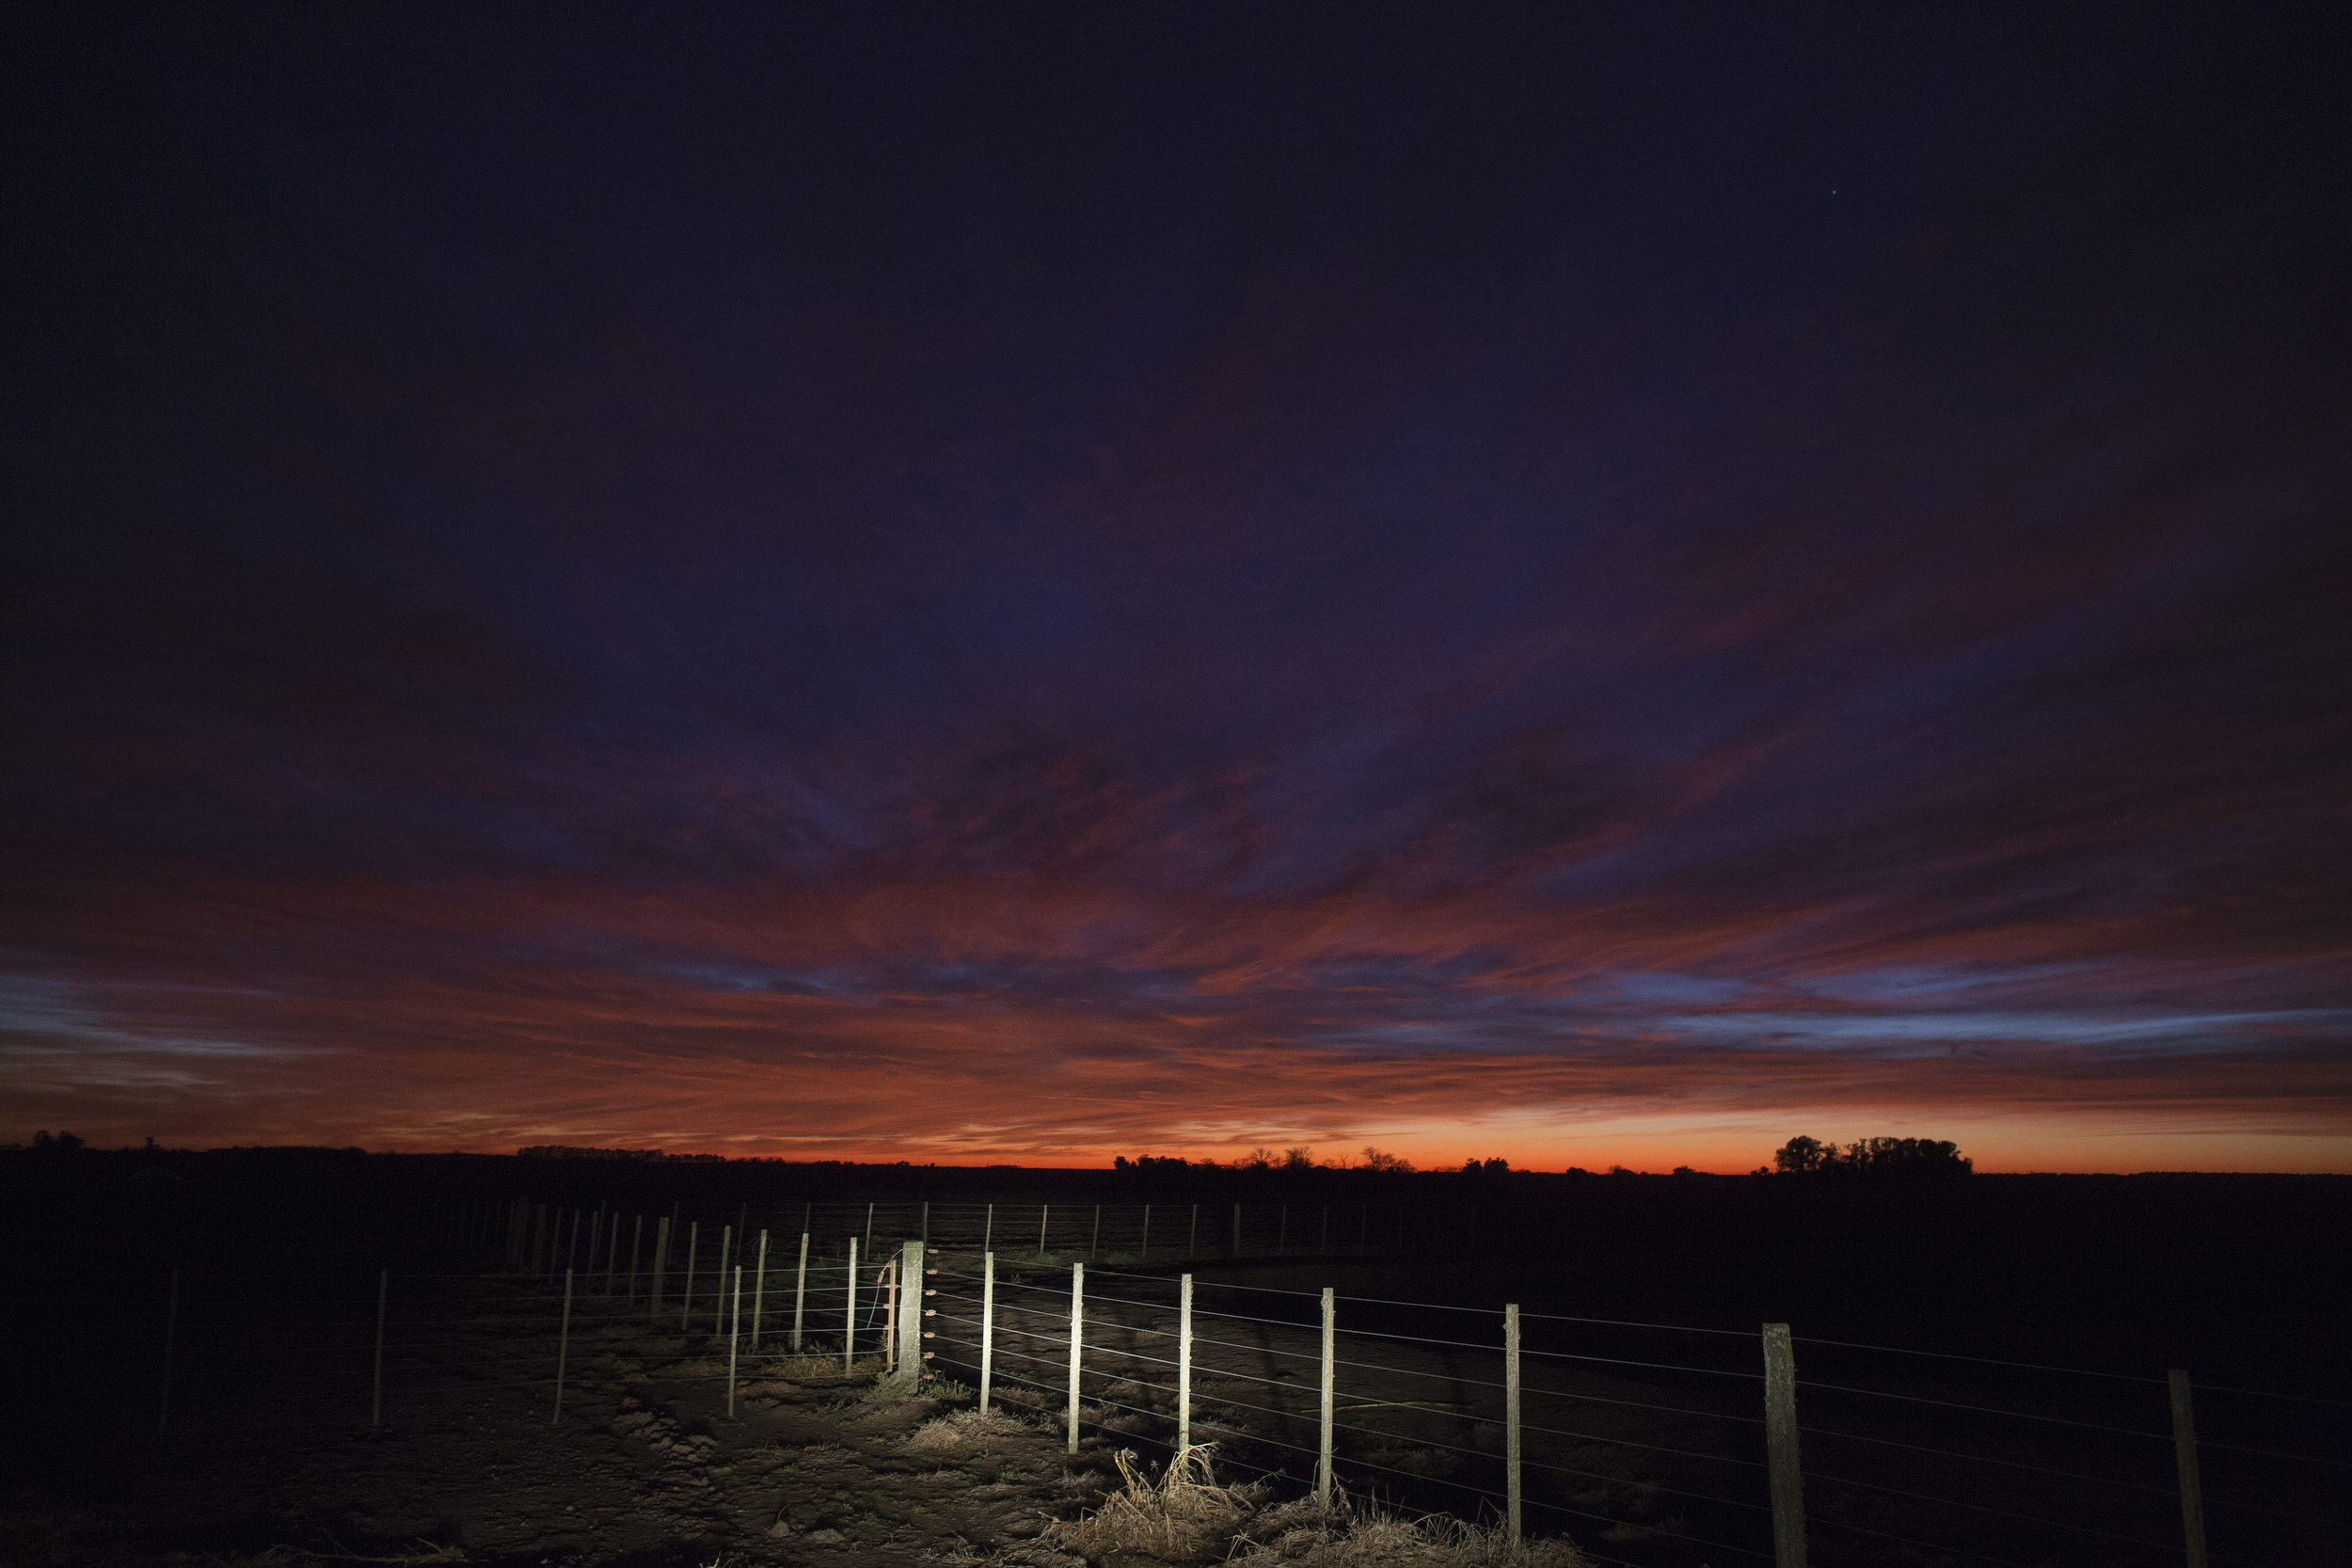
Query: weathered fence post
x=383, y=1291
x=2185, y=1459
x=849, y=1315
x=735, y=1338
x=1192, y=1237
x=925, y=1236
x=1146, y=1254
x=660, y=1261
x=636, y=1249
x=1511, y=1419
x=562, y=1349
x=1044, y=1214
x=1077, y=1342
x=1330, y=1347
x=686, y=1291
x=1184, y=1362
x=759, y=1289
x=869, y=1228
x=987, y=1231
x=988, y=1324
x=726, y=1238
x=171, y=1330
x=799, y=1293
x=909, y=1324
x=1780, y=1447
x=1095, y=1242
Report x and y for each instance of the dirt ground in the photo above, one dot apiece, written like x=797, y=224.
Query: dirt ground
x=645, y=1469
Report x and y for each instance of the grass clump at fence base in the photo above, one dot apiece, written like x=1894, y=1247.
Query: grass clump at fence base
x=1184, y=1517
x=1350, y=1535
x=966, y=1429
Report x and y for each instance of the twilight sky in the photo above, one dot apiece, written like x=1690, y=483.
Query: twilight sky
x=1002, y=583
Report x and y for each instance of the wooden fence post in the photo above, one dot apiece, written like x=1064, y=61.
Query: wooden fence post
x=870, y=1228
x=171, y=1331
x=2185, y=1459
x=849, y=1315
x=1511, y=1419
x=988, y=1231
x=759, y=1289
x=1146, y=1255
x=1077, y=1342
x=562, y=1349
x=612, y=1255
x=799, y=1293
x=1330, y=1347
x=1184, y=1364
x=988, y=1324
x=909, y=1324
x=726, y=1239
x=1192, y=1237
x=735, y=1338
x=1237, y=1230
x=1095, y=1242
x=1780, y=1447
x=1044, y=1215
x=660, y=1261
x=636, y=1249
x=686, y=1293
x=383, y=1291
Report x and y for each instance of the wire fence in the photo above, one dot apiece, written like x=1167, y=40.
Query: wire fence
x=1653, y=1440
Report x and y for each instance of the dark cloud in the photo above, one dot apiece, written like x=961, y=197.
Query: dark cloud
x=1155, y=585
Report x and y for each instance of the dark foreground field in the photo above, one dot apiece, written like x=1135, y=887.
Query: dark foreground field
x=1642, y=1445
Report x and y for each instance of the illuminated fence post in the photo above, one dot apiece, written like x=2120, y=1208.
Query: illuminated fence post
x=799, y=1293
x=2184, y=1460
x=911, y=1313
x=1323, y=1453
x=726, y=1239
x=1077, y=1342
x=988, y=1324
x=1511, y=1419
x=1184, y=1362
x=1780, y=1447
x=562, y=1349
x=735, y=1338
x=759, y=1289
x=849, y=1315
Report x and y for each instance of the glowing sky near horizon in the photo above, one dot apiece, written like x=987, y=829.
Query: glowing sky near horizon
x=1122, y=583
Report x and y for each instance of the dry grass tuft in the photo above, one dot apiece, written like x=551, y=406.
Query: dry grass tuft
x=1346, y=1535
x=820, y=1371
x=1184, y=1517
x=966, y=1429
